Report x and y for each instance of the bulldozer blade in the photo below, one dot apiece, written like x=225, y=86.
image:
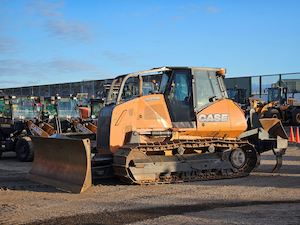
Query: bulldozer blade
x=64, y=163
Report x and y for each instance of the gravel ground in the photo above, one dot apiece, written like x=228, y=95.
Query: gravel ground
x=261, y=198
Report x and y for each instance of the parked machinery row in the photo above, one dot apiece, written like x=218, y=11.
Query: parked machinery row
x=22, y=117
x=278, y=104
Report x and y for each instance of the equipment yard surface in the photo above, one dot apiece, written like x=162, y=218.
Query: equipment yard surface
x=261, y=198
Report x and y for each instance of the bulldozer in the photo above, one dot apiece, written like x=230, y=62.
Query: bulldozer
x=184, y=129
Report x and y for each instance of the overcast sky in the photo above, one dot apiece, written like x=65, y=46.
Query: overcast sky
x=60, y=41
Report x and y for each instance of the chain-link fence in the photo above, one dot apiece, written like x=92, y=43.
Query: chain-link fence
x=254, y=86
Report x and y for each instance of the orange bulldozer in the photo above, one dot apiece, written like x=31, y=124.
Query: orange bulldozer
x=164, y=125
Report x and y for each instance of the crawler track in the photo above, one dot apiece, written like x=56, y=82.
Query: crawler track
x=183, y=161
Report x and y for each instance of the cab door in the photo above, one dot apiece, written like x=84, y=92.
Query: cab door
x=179, y=99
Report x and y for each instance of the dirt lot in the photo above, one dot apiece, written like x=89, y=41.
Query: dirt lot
x=262, y=198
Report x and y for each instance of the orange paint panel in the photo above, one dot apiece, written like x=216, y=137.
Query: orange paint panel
x=147, y=112
x=84, y=112
x=222, y=119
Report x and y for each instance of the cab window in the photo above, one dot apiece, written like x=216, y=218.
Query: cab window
x=131, y=89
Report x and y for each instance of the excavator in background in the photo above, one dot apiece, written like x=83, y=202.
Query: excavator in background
x=20, y=119
x=278, y=106
x=183, y=129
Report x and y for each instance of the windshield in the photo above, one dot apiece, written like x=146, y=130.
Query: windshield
x=83, y=102
x=67, y=108
x=273, y=94
x=164, y=82
x=49, y=108
x=151, y=83
x=130, y=89
x=207, y=87
x=25, y=108
x=237, y=95
x=96, y=107
x=5, y=110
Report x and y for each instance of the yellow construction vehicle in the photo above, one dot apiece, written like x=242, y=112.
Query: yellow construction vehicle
x=278, y=106
x=184, y=129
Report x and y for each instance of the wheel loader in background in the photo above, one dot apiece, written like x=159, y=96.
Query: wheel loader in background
x=278, y=106
x=184, y=129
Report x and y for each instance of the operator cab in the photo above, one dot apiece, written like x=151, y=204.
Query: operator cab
x=186, y=90
x=26, y=108
x=5, y=108
x=67, y=108
x=278, y=94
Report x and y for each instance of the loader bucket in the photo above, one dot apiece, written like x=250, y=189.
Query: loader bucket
x=64, y=163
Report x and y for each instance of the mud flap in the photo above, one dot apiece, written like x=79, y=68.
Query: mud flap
x=64, y=163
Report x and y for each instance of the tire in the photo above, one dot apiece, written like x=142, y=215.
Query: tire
x=24, y=149
x=296, y=117
x=272, y=113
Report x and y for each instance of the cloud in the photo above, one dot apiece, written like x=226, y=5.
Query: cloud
x=58, y=68
x=212, y=9
x=7, y=45
x=14, y=83
x=119, y=58
x=15, y=67
x=55, y=22
x=67, y=29
x=193, y=8
x=70, y=66
x=44, y=8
